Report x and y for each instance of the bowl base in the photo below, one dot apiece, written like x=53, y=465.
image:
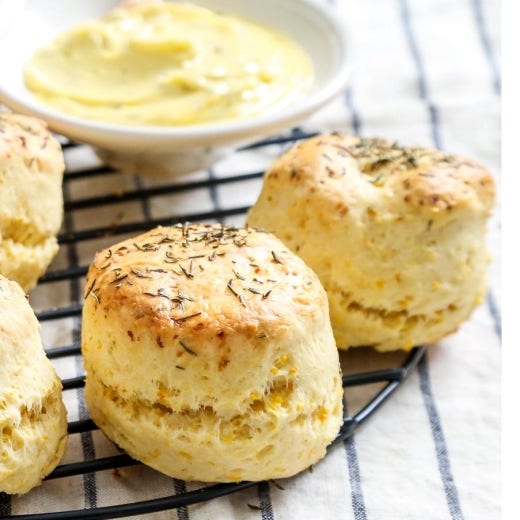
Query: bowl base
x=161, y=164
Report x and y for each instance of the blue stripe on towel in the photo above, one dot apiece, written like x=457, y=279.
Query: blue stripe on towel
x=180, y=487
x=441, y=448
x=422, y=83
x=495, y=314
x=486, y=45
x=87, y=442
x=213, y=193
x=355, y=117
x=5, y=504
x=264, y=497
x=145, y=201
x=356, y=490
x=264, y=494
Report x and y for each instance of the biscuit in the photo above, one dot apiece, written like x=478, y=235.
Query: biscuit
x=396, y=235
x=31, y=200
x=209, y=354
x=33, y=425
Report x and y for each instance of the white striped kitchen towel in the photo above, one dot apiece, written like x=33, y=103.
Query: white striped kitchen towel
x=425, y=72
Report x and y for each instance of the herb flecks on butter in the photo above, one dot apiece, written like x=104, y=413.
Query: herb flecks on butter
x=166, y=64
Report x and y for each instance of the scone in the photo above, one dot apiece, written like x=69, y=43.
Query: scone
x=209, y=354
x=33, y=422
x=31, y=200
x=396, y=235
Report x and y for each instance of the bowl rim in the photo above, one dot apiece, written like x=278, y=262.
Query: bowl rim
x=75, y=126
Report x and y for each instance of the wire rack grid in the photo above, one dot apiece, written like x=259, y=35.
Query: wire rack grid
x=93, y=221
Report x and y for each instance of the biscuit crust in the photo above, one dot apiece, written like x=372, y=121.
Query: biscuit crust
x=209, y=354
x=31, y=200
x=395, y=234
x=33, y=422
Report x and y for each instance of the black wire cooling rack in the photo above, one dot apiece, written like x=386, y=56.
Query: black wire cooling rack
x=71, y=274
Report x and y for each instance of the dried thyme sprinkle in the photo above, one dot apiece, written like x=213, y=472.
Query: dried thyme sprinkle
x=276, y=259
x=169, y=258
x=166, y=240
x=147, y=247
x=379, y=163
x=376, y=179
x=187, y=349
x=412, y=161
x=238, y=275
x=343, y=149
x=160, y=293
x=179, y=303
x=187, y=273
x=266, y=295
x=254, y=508
x=96, y=297
x=239, y=296
x=230, y=287
x=91, y=286
x=109, y=253
x=276, y=485
x=108, y=264
x=185, y=318
x=118, y=278
x=325, y=156
x=182, y=296
x=253, y=290
x=138, y=273
x=179, y=367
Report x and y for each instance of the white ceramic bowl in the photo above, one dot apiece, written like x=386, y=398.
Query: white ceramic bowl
x=28, y=24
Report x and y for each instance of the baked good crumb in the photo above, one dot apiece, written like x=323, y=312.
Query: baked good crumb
x=396, y=234
x=209, y=354
x=33, y=421
x=31, y=200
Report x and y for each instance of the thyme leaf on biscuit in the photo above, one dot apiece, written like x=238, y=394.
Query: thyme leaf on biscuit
x=187, y=349
x=275, y=258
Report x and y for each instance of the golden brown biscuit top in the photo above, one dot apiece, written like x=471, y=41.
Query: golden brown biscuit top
x=426, y=180
x=28, y=137
x=204, y=281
